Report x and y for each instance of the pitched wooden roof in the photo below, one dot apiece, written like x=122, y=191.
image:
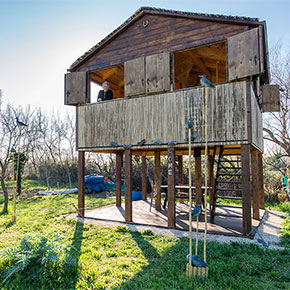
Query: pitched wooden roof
x=165, y=12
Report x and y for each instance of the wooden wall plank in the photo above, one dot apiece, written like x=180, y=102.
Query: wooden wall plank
x=183, y=33
x=163, y=117
x=157, y=174
x=81, y=184
x=144, y=178
x=246, y=188
x=119, y=156
x=171, y=187
x=271, y=98
x=128, y=185
x=255, y=176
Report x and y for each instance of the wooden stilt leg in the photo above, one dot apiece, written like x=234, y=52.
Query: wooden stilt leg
x=198, y=191
x=261, y=181
x=128, y=185
x=144, y=178
x=246, y=188
x=81, y=184
x=255, y=174
x=180, y=170
x=157, y=180
x=118, y=178
x=171, y=187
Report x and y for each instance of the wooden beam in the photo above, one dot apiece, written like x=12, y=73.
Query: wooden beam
x=180, y=170
x=261, y=181
x=197, y=179
x=211, y=178
x=109, y=72
x=144, y=178
x=199, y=62
x=81, y=184
x=119, y=160
x=171, y=187
x=128, y=185
x=246, y=189
x=157, y=173
x=255, y=175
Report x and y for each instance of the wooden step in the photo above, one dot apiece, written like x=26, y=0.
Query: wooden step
x=228, y=189
x=232, y=168
x=228, y=182
x=228, y=174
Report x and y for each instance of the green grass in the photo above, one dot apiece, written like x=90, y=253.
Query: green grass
x=120, y=259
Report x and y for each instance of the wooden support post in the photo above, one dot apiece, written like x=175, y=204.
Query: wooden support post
x=81, y=184
x=197, y=173
x=211, y=178
x=118, y=177
x=128, y=185
x=246, y=188
x=180, y=170
x=255, y=175
x=261, y=181
x=171, y=187
x=144, y=178
x=157, y=173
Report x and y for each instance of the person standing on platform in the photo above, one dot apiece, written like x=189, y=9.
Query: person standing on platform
x=105, y=94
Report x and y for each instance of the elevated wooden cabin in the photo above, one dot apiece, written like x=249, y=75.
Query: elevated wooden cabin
x=152, y=62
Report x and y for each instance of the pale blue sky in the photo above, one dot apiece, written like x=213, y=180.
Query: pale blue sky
x=40, y=39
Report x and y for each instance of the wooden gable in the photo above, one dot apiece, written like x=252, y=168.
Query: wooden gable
x=154, y=34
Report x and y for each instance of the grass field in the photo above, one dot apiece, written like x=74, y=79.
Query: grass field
x=118, y=259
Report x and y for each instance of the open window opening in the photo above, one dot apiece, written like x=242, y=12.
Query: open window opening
x=209, y=60
x=114, y=75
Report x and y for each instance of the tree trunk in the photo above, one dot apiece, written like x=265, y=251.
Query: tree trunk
x=4, y=188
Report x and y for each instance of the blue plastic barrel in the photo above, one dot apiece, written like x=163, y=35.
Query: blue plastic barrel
x=136, y=195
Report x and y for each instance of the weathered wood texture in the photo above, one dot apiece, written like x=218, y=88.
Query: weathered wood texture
x=162, y=117
x=171, y=187
x=246, y=188
x=256, y=122
x=118, y=178
x=134, y=73
x=271, y=98
x=243, y=55
x=177, y=34
x=180, y=170
x=157, y=176
x=144, y=178
x=261, y=182
x=81, y=184
x=128, y=186
x=76, y=88
x=158, y=72
x=255, y=176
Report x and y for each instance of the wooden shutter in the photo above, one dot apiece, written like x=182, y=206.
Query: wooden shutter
x=134, y=74
x=271, y=98
x=243, y=55
x=158, y=73
x=77, y=88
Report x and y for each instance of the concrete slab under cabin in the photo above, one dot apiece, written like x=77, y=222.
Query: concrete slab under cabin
x=228, y=220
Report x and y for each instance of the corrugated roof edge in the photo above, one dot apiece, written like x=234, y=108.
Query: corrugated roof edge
x=152, y=10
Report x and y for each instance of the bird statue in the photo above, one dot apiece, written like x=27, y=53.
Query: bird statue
x=205, y=82
x=196, y=210
x=128, y=146
x=172, y=143
x=142, y=142
x=192, y=138
x=114, y=144
x=197, y=261
x=19, y=123
x=189, y=124
x=157, y=142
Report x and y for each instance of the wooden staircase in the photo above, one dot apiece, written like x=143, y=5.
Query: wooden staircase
x=228, y=180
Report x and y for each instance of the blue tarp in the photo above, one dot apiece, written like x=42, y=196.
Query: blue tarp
x=95, y=182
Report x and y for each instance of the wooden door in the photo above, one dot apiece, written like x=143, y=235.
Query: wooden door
x=77, y=88
x=134, y=74
x=158, y=73
x=243, y=55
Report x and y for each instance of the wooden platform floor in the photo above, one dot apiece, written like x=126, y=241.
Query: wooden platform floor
x=227, y=222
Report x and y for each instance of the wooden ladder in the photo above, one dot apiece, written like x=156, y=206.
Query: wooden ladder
x=228, y=180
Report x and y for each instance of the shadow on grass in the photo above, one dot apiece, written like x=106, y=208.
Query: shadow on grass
x=75, y=251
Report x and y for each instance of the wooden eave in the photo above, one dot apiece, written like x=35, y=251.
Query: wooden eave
x=164, y=12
